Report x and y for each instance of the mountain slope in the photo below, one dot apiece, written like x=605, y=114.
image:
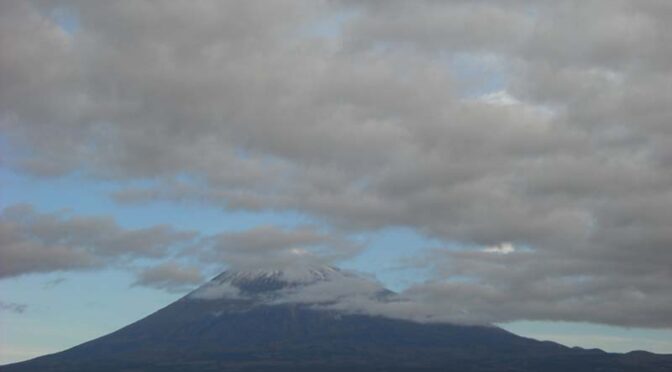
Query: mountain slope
x=240, y=322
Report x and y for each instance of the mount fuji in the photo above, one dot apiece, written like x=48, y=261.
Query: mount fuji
x=316, y=319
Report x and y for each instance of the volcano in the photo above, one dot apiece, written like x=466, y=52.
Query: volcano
x=306, y=320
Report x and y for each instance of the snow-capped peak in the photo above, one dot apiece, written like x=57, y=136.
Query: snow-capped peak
x=233, y=283
x=292, y=275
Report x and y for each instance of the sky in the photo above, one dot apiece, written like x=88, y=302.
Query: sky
x=496, y=162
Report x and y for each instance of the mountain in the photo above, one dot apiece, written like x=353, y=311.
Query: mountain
x=296, y=320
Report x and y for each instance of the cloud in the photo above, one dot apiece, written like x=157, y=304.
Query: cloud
x=216, y=291
x=53, y=283
x=34, y=242
x=338, y=289
x=234, y=104
x=584, y=286
x=504, y=248
x=13, y=307
x=274, y=248
x=170, y=276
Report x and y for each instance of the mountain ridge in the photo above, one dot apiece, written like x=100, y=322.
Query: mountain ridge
x=255, y=330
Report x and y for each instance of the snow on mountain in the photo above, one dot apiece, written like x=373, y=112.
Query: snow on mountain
x=309, y=284
x=273, y=320
x=288, y=276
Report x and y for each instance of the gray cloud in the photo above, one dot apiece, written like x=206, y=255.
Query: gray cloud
x=216, y=291
x=244, y=106
x=171, y=277
x=273, y=248
x=498, y=287
x=582, y=285
x=341, y=289
x=13, y=307
x=53, y=283
x=33, y=242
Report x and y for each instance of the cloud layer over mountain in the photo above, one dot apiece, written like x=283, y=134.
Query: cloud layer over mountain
x=535, y=135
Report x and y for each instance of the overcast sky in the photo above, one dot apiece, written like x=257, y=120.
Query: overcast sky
x=502, y=162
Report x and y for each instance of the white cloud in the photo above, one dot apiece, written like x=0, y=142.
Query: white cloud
x=500, y=98
x=216, y=291
x=503, y=248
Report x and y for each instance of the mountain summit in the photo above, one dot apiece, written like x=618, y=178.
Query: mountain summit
x=264, y=281
x=309, y=319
